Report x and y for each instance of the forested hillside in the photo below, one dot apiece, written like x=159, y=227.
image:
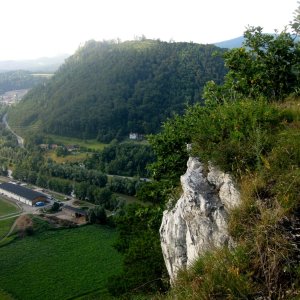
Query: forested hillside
x=108, y=89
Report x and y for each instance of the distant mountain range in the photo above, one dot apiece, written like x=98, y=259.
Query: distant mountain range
x=232, y=43
x=43, y=64
x=51, y=64
x=237, y=42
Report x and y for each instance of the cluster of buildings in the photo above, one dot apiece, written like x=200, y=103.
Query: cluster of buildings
x=12, y=97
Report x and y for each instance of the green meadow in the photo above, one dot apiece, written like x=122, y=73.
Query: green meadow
x=89, y=144
x=60, y=264
x=7, y=208
x=5, y=226
x=71, y=158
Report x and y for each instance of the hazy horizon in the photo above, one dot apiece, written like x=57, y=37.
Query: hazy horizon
x=35, y=29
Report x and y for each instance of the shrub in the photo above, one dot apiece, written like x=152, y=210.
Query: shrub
x=235, y=135
x=97, y=215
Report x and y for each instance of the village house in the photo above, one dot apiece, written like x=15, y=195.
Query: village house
x=44, y=146
x=135, y=136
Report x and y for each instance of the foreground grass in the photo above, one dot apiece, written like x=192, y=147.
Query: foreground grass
x=63, y=264
x=7, y=208
x=5, y=296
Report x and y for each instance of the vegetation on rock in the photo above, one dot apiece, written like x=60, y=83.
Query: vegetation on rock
x=250, y=127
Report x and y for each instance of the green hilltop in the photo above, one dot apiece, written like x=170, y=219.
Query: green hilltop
x=109, y=89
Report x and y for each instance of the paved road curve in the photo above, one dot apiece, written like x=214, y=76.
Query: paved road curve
x=20, y=139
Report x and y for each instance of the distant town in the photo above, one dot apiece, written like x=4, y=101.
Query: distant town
x=13, y=97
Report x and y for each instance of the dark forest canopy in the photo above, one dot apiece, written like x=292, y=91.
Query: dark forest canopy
x=108, y=89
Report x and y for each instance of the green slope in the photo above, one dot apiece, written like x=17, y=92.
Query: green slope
x=109, y=89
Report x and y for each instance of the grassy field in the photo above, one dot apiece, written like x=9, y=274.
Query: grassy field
x=73, y=157
x=127, y=199
x=90, y=144
x=5, y=226
x=131, y=199
x=7, y=208
x=61, y=264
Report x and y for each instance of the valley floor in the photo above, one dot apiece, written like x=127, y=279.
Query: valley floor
x=60, y=264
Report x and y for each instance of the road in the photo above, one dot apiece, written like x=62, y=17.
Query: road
x=23, y=208
x=20, y=139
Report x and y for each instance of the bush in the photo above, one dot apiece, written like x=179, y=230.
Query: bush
x=235, y=136
x=55, y=207
x=97, y=215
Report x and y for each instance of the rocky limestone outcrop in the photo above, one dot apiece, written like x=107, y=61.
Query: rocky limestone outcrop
x=198, y=222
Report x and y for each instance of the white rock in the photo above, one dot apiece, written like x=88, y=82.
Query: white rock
x=198, y=222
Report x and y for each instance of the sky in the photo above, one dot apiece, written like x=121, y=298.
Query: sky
x=38, y=28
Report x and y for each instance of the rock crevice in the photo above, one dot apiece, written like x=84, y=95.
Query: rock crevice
x=198, y=222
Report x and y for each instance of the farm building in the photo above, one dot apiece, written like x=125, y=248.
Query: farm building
x=74, y=212
x=21, y=193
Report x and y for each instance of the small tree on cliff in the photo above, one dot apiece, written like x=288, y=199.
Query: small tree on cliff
x=295, y=24
x=267, y=65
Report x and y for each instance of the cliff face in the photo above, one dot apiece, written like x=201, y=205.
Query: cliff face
x=198, y=222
